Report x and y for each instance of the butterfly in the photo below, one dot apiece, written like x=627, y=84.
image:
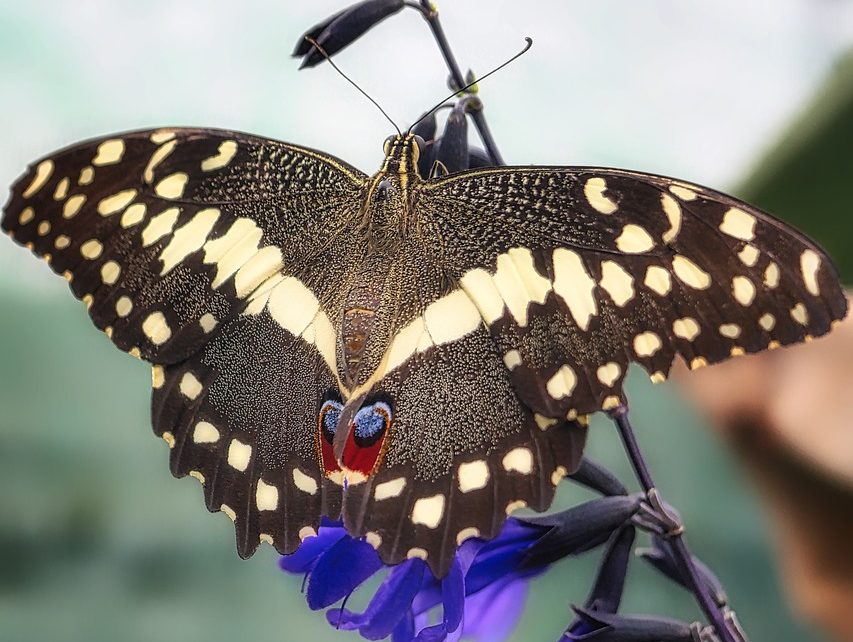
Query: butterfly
x=414, y=355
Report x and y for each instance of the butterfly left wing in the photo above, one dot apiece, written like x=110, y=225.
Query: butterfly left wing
x=214, y=255
x=578, y=272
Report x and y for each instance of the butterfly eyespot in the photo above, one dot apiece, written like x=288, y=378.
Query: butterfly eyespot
x=370, y=424
x=330, y=412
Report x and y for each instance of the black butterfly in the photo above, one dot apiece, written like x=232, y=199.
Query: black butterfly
x=414, y=355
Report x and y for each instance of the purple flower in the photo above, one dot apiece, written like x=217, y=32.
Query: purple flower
x=482, y=596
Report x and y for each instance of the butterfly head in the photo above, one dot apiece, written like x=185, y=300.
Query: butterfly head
x=402, y=152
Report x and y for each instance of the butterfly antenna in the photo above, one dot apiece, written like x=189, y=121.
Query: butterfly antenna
x=473, y=82
x=317, y=46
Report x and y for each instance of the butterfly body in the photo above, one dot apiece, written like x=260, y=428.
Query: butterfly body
x=410, y=354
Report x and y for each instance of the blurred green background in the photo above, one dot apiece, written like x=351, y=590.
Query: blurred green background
x=99, y=543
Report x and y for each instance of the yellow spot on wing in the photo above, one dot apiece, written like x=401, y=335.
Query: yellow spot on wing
x=809, y=266
x=451, y=317
x=116, y=202
x=172, y=186
x=188, y=238
x=634, y=240
x=593, y=191
x=109, y=152
x=43, y=171
x=738, y=224
x=159, y=226
x=575, y=286
x=690, y=273
x=224, y=155
x=72, y=205
x=673, y=214
x=156, y=328
x=157, y=157
x=562, y=383
x=617, y=282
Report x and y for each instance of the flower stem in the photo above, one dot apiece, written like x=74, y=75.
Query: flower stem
x=716, y=616
x=430, y=14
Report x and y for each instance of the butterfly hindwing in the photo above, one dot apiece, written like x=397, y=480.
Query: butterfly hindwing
x=166, y=233
x=579, y=272
x=241, y=417
x=462, y=453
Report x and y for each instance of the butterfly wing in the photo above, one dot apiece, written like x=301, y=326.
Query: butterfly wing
x=578, y=272
x=214, y=255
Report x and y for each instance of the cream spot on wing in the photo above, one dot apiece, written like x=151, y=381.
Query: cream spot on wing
x=157, y=157
x=88, y=300
x=562, y=382
x=737, y=351
x=738, y=224
x=593, y=191
x=428, y=511
x=133, y=215
x=135, y=353
x=267, y=538
x=205, y=433
x=158, y=377
x=809, y=265
x=231, y=250
x=617, y=282
x=472, y=475
x=239, y=455
x=686, y=328
x=172, y=186
x=767, y=322
x=610, y=403
x=109, y=152
x=518, y=282
x=406, y=343
x=575, y=286
x=292, y=305
x=544, y=422
x=304, y=482
x=800, y=314
x=156, y=328
x=207, y=322
x=673, y=214
x=466, y=534
x=169, y=438
x=683, y=193
x=27, y=214
x=190, y=386
x=72, y=205
x=658, y=280
x=61, y=242
x=91, y=249
x=481, y=289
x=160, y=226
x=634, y=240
x=116, y=203
x=519, y=460
x=61, y=190
x=389, y=489
x=109, y=331
x=224, y=154
x=451, y=317
x=558, y=474
x=730, y=330
x=771, y=275
x=196, y=475
x=416, y=554
x=123, y=306
x=512, y=359
x=87, y=175
x=513, y=506
x=110, y=271
x=608, y=373
x=225, y=508
x=266, y=496
x=689, y=273
x=749, y=255
x=43, y=228
x=646, y=344
x=307, y=531
x=43, y=171
x=743, y=290
x=657, y=377
x=161, y=136
x=188, y=238
x=373, y=538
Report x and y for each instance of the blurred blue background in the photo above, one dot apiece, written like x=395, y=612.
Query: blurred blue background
x=97, y=541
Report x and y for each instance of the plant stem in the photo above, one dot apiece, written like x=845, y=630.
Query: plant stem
x=430, y=14
x=709, y=607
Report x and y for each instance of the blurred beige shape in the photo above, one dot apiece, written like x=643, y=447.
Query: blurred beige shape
x=788, y=413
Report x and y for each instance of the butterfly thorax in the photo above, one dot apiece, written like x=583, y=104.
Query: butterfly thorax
x=368, y=314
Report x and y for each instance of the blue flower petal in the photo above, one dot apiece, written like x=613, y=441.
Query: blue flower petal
x=340, y=570
x=405, y=629
x=393, y=600
x=493, y=613
x=304, y=558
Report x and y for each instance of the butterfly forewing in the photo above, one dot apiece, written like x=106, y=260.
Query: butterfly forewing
x=580, y=271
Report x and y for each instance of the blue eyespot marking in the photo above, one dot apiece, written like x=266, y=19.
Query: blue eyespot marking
x=330, y=413
x=372, y=420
